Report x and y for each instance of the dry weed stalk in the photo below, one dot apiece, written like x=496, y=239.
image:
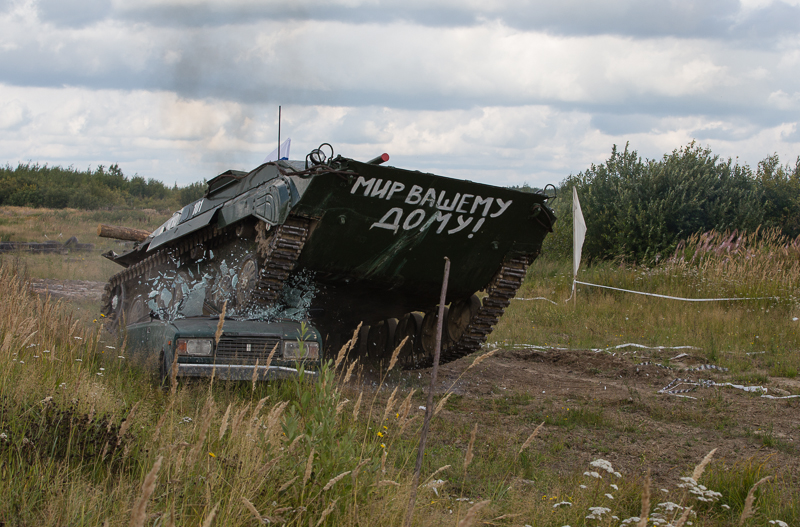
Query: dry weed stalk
x=269, y=357
x=357, y=405
x=287, y=484
x=126, y=424
x=218, y=333
x=389, y=404
x=358, y=468
x=326, y=512
x=645, y=512
x=274, y=423
x=268, y=465
x=347, y=347
x=442, y=402
x=237, y=420
x=472, y=514
x=749, y=509
x=436, y=472
x=173, y=377
x=293, y=443
x=210, y=518
x=309, y=465
x=482, y=358
x=350, y=371
x=386, y=483
x=685, y=516
x=407, y=422
x=224, y=426
x=208, y=412
x=396, y=354
x=340, y=406
x=162, y=419
x=698, y=470
x=333, y=480
x=405, y=406
x=383, y=461
x=468, y=456
x=530, y=438
x=254, y=378
x=139, y=513
x=252, y=509
x=255, y=419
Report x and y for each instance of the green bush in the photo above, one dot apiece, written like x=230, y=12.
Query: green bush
x=639, y=210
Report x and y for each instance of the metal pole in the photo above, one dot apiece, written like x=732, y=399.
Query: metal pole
x=429, y=407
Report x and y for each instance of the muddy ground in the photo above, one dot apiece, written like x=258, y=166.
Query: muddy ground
x=607, y=404
x=598, y=404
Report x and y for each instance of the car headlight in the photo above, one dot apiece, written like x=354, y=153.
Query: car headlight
x=293, y=349
x=195, y=346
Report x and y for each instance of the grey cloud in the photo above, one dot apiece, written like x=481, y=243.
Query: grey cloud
x=776, y=19
x=794, y=136
x=638, y=18
x=74, y=13
x=624, y=123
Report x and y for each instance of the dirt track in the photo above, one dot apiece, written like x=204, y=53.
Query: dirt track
x=68, y=289
x=599, y=404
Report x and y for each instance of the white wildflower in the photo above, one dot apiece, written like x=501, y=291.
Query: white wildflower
x=725, y=506
x=609, y=496
x=560, y=503
x=602, y=464
x=779, y=523
x=669, y=506
x=593, y=474
x=583, y=486
x=614, y=487
x=597, y=512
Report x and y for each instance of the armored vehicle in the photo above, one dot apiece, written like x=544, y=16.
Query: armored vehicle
x=339, y=242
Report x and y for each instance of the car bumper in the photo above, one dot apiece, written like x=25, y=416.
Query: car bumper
x=238, y=372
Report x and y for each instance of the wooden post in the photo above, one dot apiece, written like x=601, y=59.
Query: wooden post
x=429, y=407
x=121, y=233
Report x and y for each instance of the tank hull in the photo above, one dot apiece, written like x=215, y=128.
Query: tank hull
x=355, y=242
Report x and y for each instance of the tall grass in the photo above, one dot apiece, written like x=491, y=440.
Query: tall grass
x=763, y=266
x=88, y=438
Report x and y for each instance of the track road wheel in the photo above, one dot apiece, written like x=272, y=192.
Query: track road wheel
x=381, y=336
x=409, y=326
x=427, y=338
x=460, y=315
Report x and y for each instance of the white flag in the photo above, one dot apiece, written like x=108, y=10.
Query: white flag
x=284, y=153
x=578, y=232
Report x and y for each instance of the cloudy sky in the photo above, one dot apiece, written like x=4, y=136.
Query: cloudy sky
x=498, y=91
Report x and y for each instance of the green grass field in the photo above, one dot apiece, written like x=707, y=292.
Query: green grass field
x=88, y=439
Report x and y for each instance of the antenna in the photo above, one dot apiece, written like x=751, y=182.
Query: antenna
x=279, y=133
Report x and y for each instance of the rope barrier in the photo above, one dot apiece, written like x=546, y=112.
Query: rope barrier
x=674, y=297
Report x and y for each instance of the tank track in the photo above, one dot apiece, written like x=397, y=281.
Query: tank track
x=500, y=291
x=280, y=252
x=279, y=249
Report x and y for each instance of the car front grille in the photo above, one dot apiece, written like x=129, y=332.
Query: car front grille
x=245, y=350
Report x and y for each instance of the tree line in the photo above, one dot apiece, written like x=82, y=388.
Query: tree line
x=640, y=209
x=34, y=185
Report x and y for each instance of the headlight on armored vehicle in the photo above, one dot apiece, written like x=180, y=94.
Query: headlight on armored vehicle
x=295, y=350
x=195, y=346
